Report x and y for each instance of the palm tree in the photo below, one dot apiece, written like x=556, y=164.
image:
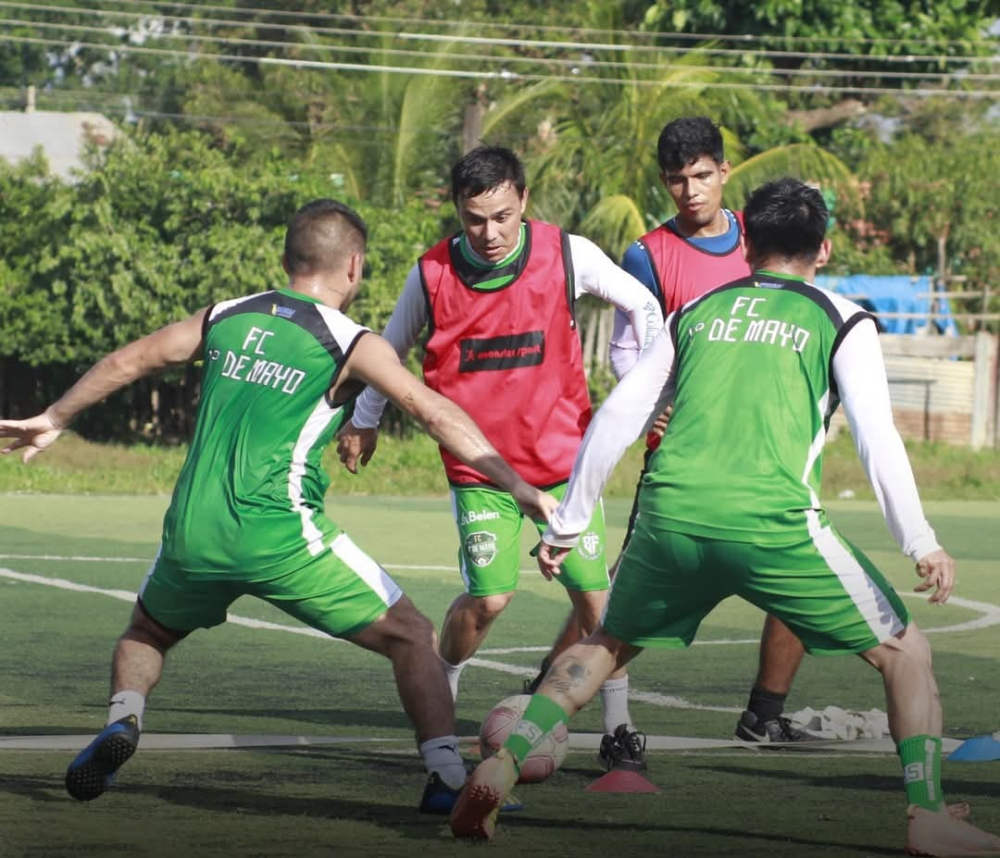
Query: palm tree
x=593, y=166
x=422, y=114
x=597, y=171
x=382, y=135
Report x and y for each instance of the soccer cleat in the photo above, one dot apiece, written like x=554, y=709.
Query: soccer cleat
x=532, y=685
x=438, y=797
x=475, y=814
x=945, y=834
x=623, y=750
x=95, y=767
x=750, y=729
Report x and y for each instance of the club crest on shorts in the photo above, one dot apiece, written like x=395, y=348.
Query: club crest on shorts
x=590, y=546
x=481, y=547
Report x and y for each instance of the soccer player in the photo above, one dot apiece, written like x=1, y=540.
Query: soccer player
x=729, y=505
x=281, y=370
x=498, y=299
x=694, y=251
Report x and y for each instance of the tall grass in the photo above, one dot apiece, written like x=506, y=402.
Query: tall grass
x=412, y=467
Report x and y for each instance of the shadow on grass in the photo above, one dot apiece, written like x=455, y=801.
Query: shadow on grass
x=239, y=802
x=359, y=721
x=858, y=782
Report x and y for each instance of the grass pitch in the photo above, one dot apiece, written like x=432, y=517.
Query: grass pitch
x=359, y=799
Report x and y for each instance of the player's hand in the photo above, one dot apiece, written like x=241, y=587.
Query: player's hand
x=938, y=571
x=661, y=422
x=355, y=445
x=534, y=503
x=550, y=559
x=33, y=435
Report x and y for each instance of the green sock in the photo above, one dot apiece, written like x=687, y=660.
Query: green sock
x=921, y=758
x=541, y=716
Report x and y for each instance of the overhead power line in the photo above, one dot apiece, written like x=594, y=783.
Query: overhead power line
x=502, y=74
x=573, y=64
x=528, y=44
x=575, y=31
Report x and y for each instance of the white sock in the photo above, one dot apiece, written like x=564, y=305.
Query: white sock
x=614, y=701
x=441, y=756
x=126, y=703
x=453, y=672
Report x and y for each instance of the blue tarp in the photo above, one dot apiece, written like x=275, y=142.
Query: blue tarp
x=894, y=294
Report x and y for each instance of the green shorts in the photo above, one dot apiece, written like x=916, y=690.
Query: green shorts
x=824, y=589
x=339, y=591
x=489, y=553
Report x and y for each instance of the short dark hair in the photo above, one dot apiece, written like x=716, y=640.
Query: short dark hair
x=786, y=218
x=321, y=235
x=687, y=139
x=483, y=169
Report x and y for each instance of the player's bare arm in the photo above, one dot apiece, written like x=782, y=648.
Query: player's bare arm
x=171, y=345
x=375, y=362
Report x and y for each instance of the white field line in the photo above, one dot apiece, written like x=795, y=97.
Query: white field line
x=990, y=616
x=577, y=742
x=990, y=613
x=129, y=596
x=404, y=567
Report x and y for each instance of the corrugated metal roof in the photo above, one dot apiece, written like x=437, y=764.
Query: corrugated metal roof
x=62, y=137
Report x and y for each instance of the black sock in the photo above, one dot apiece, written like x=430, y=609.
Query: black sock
x=766, y=705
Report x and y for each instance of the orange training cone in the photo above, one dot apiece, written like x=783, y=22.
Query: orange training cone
x=620, y=780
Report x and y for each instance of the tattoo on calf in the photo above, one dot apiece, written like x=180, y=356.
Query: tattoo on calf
x=569, y=677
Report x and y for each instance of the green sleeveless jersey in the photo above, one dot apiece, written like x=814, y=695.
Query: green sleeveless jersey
x=250, y=495
x=742, y=456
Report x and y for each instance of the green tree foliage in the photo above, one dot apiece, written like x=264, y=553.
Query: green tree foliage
x=190, y=207
x=161, y=226
x=874, y=27
x=593, y=162
x=387, y=136
x=71, y=51
x=930, y=206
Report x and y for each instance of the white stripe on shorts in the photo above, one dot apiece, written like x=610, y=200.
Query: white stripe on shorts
x=320, y=418
x=367, y=569
x=874, y=607
x=149, y=571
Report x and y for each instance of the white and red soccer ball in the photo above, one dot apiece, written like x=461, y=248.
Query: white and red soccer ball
x=543, y=760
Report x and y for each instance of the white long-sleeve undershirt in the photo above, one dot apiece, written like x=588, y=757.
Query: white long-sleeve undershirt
x=859, y=373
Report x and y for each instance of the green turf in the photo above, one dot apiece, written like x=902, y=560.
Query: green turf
x=55, y=646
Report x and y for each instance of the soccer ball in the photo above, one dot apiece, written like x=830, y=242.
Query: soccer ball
x=498, y=725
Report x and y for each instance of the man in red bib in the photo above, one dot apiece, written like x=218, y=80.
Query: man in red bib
x=498, y=301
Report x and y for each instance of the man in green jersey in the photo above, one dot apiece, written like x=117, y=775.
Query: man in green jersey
x=680, y=260
x=729, y=505
x=281, y=371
